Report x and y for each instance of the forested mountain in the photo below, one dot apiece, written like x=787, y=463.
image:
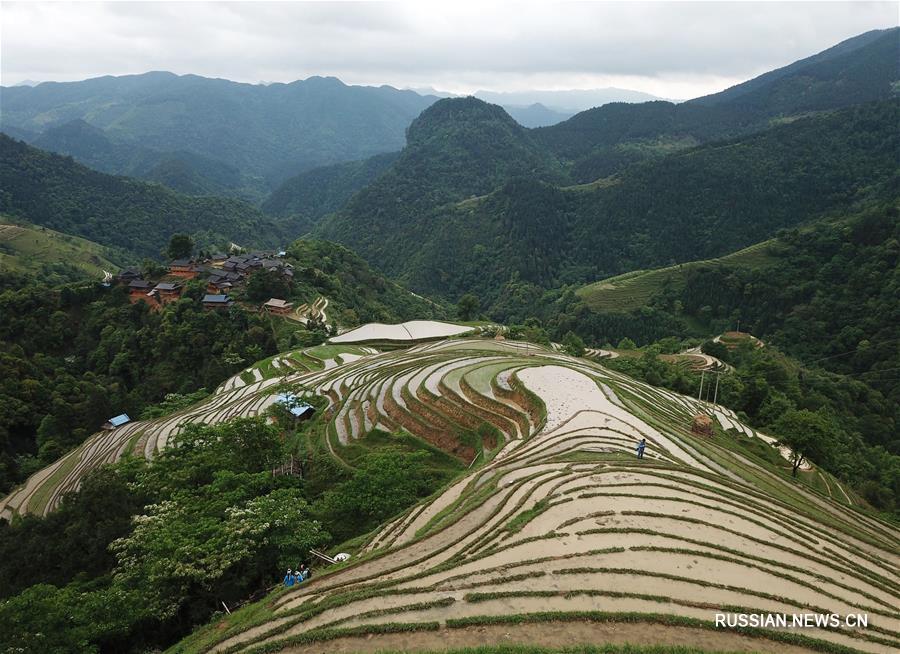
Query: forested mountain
x=854, y=70
x=694, y=204
x=320, y=191
x=182, y=171
x=266, y=131
x=54, y=191
x=459, y=149
x=602, y=141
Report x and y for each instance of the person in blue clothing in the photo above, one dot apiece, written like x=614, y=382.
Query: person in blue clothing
x=303, y=572
x=640, y=448
x=289, y=579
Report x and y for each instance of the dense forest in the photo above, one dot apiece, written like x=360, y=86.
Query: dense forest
x=306, y=197
x=107, y=571
x=54, y=191
x=75, y=356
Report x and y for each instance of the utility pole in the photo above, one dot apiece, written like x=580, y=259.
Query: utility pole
x=716, y=393
x=700, y=393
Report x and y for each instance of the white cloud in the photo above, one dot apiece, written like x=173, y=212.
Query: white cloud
x=670, y=49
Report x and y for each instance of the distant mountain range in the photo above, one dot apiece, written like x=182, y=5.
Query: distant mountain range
x=469, y=171
x=536, y=108
x=536, y=115
x=568, y=101
x=54, y=191
x=475, y=202
x=268, y=133
x=212, y=136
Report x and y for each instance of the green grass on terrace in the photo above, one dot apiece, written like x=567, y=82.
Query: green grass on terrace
x=332, y=351
x=634, y=289
x=357, y=449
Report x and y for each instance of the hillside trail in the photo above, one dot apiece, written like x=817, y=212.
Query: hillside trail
x=549, y=634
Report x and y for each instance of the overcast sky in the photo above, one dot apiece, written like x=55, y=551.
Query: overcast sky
x=674, y=50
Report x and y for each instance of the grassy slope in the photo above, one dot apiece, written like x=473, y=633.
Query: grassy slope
x=27, y=248
x=634, y=289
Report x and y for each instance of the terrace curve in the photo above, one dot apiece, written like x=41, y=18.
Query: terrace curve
x=561, y=523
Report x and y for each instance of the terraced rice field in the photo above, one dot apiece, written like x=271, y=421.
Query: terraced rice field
x=560, y=524
x=314, y=311
x=246, y=394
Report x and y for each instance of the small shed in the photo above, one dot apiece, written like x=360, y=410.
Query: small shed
x=299, y=409
x=116, y=421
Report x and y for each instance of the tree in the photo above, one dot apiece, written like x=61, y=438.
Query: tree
x=467, y=307
x=151, y=269
x=385, y=483
x=180, y=246
x=573, y=344
x=264, y=284
x=810, y=435
x=45, y=618
x=224, y=531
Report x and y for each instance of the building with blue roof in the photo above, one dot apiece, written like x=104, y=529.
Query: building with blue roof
x=298, y=408
x=117, y=421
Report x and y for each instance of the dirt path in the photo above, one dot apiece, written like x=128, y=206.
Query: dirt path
x=551, y=634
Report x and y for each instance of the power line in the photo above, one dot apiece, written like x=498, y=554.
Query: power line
x=843, y=354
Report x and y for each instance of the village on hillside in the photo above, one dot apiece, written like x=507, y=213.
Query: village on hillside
x=224, y=274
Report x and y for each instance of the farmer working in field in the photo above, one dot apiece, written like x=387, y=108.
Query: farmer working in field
x=640, y=448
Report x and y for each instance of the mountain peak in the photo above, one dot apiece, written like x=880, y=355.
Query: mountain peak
x=449, y=113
